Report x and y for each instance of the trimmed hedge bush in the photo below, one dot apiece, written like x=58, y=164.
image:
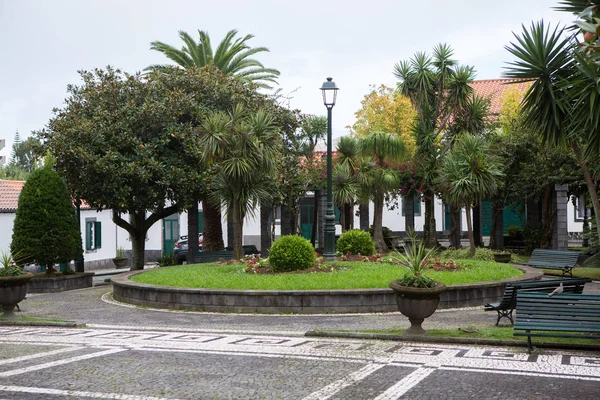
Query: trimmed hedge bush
x=45, y=230
x=291, y=253
x=356, y=241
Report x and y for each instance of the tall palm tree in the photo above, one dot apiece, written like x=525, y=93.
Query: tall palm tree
x=243, y=148
x=439, y=89
x=232, y=57
x=469, y=173
x=561, y=102
x=384, y=149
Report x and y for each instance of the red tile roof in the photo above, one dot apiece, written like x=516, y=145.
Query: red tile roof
x=494, y=89
x=9, y=195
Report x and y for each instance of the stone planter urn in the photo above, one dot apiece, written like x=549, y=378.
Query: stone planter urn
x=417, y=304
x=13, y=290
x=119, y=262
x=502, y=257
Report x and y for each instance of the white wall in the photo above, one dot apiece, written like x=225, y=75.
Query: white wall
x=6, y=230
x=109, y=248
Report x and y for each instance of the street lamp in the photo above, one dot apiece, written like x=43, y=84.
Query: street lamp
x=329, y=95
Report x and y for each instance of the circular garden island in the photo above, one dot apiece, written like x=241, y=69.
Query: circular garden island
x=348, y=285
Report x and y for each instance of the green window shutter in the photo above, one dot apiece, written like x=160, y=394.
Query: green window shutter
x=88, y=236
x=417, y=206
x=97, y=235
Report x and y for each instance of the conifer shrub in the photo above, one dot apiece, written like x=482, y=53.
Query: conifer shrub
x=291, y=253
x=45, y=230
x=356, y=241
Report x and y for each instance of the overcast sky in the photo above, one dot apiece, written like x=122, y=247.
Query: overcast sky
x=357, y=42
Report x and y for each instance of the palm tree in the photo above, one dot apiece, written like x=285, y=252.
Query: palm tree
x=384, y=150
x=313, y=129
x=243, y=149
x=561, y=102
x=439, y=89
x=232, y=57
x=469, y=173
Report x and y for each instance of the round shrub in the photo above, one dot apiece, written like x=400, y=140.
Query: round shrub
x=356, y=241
x=291, y=253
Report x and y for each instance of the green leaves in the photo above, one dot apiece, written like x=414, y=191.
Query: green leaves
x=232, y=57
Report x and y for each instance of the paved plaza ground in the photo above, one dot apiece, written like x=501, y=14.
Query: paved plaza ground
x=134, y=353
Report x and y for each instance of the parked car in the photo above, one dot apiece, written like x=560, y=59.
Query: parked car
x=181, y=248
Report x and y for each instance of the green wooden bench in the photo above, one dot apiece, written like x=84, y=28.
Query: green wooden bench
x=553, y=259
x=505, y=307
x=562, y=315
x=214, y=256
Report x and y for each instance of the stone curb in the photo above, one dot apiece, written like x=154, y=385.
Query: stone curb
x=66, y=324
x=451, y=340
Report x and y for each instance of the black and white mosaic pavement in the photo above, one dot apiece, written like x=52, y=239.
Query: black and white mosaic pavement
x=132, y=364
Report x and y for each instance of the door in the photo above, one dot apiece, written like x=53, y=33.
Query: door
x=170, y=233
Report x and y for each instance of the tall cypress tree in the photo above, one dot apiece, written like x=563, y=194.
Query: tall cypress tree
x=45, y=230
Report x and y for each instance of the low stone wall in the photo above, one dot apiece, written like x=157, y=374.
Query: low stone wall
x=60, y=283
x=298, y=301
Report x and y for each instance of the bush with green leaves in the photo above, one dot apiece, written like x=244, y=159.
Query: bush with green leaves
x=356, y=241
x=166, y=260
x=458, y=254
x=291, y=253
x=45, y=230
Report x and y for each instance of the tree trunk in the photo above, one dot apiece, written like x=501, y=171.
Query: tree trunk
x=378, y=223
x=286, y=221
x=213, y=229
x=548, y=215
x=477, y=225
x=347, y=217
x=138, y=241
x=363, y=210
x=192, y=233
x=315, y=216
x=408, y=203
x=429, y=230
x=470, y=230
x=265, y=229
x=230, y=231
x=591, y=185
x=455, y=227
x=497, y=228
x=238, y=226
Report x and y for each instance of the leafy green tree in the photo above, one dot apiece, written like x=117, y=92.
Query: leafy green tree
x=125, y=142
x=243, y=148
x=468, y=174
x=439, y=90
x=312, y=130
x=13, y=172
x=560, y=101
x=45, y=230
x=24, y=153
x=232, y=57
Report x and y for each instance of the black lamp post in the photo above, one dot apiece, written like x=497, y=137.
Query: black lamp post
x=329, y=95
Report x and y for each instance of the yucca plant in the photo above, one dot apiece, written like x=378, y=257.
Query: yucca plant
x=416, y=258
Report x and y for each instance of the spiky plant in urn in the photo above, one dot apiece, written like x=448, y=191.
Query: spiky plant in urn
x=417, y=295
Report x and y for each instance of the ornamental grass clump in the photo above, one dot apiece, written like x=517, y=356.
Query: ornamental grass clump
x=356, y=241
x=291, y=253
x=416, y=258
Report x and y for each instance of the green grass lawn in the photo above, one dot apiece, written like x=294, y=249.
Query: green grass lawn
x=30, y=319
x=497, y=333
x=352, y=275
